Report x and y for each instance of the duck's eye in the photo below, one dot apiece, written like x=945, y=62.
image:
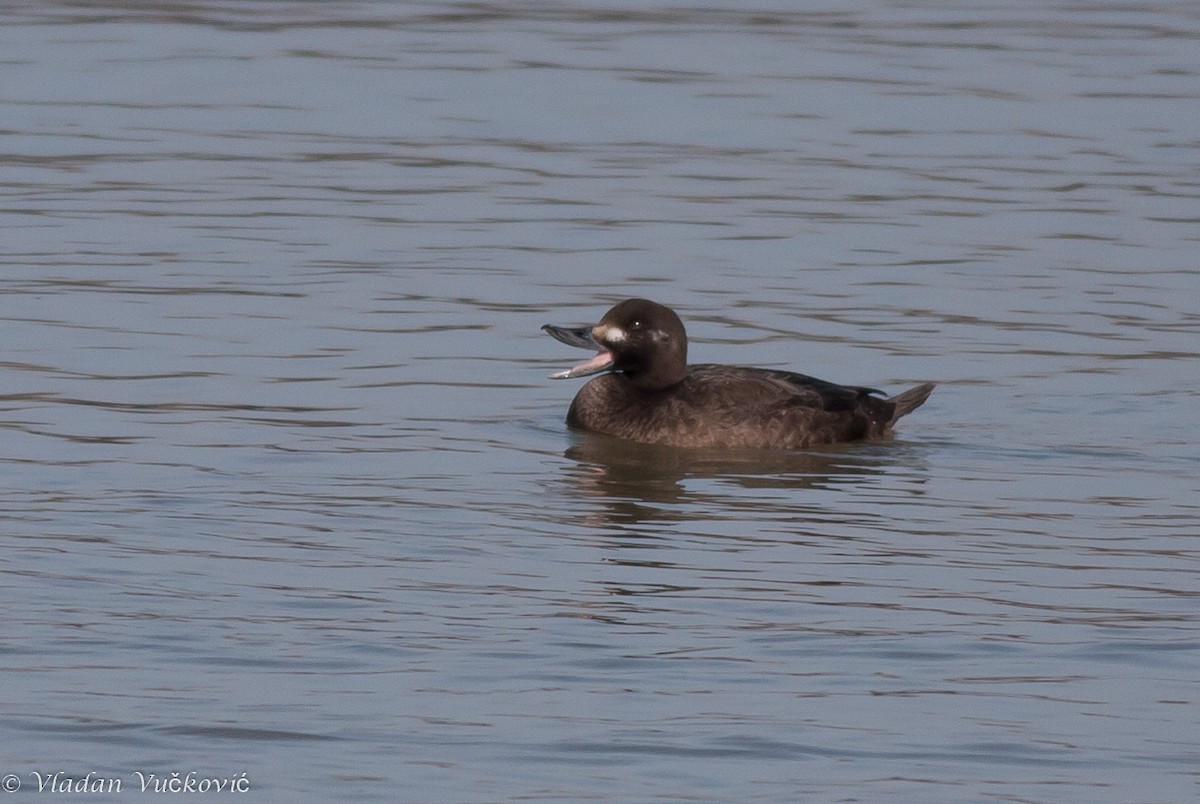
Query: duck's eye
x=637, y=324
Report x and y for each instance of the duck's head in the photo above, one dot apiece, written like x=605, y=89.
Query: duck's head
x=643, y=341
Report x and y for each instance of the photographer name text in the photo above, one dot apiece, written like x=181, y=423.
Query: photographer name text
x=174, y=782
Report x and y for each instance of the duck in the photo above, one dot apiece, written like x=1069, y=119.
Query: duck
x=646, y=392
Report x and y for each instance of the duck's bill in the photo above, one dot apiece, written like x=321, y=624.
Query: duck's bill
x=577, y=336
x=581, y=337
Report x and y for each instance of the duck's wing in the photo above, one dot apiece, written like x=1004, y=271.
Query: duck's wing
x=830, y=396
x=756, y=386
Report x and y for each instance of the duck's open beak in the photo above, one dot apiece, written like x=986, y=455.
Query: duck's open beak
x=581, y=337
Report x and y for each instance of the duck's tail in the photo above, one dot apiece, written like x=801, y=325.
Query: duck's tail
x=908, y=401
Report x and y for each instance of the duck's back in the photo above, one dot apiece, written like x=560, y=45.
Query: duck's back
x=734, y=407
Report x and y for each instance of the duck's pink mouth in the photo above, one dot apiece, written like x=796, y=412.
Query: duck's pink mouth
x=581, y=337
x=601, y=362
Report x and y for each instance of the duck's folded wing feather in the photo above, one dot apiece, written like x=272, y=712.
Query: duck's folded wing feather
x=754, y=386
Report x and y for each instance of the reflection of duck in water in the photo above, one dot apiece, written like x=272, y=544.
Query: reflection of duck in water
x=650, y=394
x=637, y=478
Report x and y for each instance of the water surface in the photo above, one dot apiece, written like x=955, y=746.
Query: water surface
x=287, y=492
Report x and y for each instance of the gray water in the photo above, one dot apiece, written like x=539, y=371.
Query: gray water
x=288, y=499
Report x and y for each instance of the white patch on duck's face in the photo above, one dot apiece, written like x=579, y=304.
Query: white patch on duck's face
x=609, y=333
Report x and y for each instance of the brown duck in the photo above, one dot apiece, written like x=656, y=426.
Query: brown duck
x=648, y=393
